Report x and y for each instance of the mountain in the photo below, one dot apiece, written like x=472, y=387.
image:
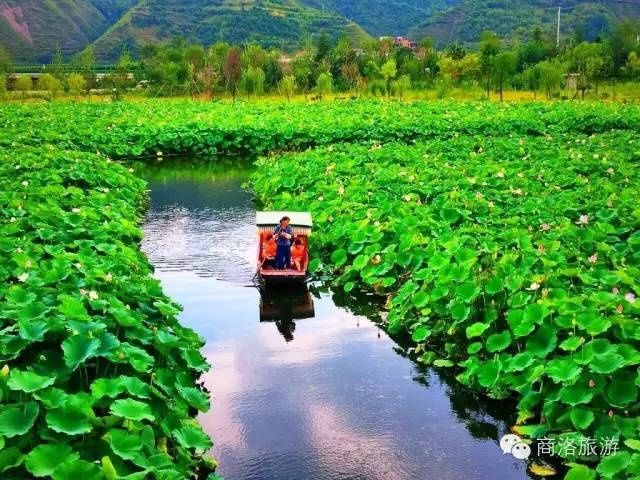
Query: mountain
x=518, y=18
x=278, y=23
x=32, y=29
x=390, y=17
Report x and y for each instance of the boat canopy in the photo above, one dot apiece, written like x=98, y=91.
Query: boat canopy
x=300, y=221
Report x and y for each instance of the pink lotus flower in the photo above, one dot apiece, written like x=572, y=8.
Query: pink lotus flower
x=615, y=290
x=545, y=227
x=583, y=220
x=593, y=258
x=630, y=297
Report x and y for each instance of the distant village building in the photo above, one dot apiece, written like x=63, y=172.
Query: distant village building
x=285, y=60
x=401, y=42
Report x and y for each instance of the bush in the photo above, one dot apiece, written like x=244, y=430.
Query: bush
x=443, y=87
x=77, y=83
x=50, y=84
x=378, y=88
x=23, y=84
x=324, y=84
x=288, y=86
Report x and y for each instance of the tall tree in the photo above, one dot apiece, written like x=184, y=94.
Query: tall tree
x=592, y=62
x=233, y=71
x=504, y=64
x=303, y=72
x=324, y=84
x=288, y=86
x=323, y=45
x=86, y=62
x=56, y=67
x=624, y=40
x=632, y=67
x=389, y=71
x=490, y=46
x=549, y=73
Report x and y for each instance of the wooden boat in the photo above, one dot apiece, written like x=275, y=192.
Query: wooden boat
x=267, y=222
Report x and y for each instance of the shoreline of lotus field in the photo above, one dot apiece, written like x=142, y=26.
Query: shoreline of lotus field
x=513, y=259
x=98, y=378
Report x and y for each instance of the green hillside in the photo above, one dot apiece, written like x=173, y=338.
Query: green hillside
x=280, y=23
x=113, y=9
x=32, y=29
x=466, y=21
x=391, y=17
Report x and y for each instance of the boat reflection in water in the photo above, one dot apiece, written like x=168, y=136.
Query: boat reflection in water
x=284, y=306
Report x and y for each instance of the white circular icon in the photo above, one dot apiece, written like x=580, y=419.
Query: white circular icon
x=508, y=441
x=521, y=451
x=514, y=445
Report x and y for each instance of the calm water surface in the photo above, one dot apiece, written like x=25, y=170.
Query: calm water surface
x=304, y=386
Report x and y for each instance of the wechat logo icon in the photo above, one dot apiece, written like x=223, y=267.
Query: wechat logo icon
x=514, y=445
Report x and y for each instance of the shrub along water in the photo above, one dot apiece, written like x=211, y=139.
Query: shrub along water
x=514, y=260
x=99, y=376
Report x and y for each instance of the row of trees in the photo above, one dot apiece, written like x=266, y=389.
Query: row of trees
x=379, y=67
x=383, y=68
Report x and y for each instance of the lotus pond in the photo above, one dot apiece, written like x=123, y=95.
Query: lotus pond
x=503, y=240
x=305, y=384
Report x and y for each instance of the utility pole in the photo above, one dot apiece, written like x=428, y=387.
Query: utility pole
x=558, y=34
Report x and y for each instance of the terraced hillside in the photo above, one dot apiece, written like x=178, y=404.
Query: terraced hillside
x=271, y=23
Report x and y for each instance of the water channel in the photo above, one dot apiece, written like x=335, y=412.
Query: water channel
x=305, y=385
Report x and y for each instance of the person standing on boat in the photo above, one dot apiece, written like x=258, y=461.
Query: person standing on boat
x=284, y=236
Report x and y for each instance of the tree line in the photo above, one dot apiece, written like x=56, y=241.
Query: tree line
x=383, y=67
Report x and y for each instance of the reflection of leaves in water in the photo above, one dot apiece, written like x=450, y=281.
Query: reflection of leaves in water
x=483, y=416
x=180, y=169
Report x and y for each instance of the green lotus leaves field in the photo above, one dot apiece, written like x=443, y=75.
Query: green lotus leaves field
x=182, y=127
x=514, y=258
x=98, y=369
x=505, y=238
